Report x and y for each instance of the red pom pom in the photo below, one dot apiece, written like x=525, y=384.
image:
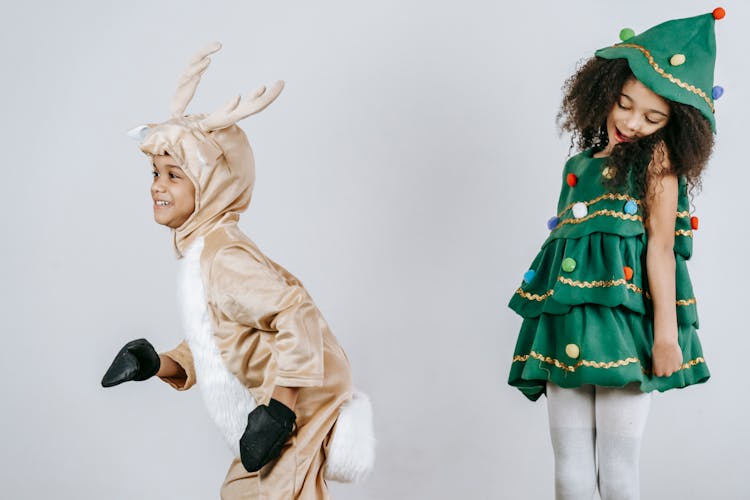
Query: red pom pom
x=694, y=223
x=628, y=272
x=719, y=13
x=572, y=180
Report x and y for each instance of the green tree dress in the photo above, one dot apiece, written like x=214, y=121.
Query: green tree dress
x=587, y=315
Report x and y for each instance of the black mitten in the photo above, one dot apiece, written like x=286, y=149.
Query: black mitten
x=137, y=360
x=268, y=428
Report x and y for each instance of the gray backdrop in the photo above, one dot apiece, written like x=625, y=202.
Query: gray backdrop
x=405, y=174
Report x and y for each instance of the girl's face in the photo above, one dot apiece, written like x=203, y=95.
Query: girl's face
x=172, y=191
x=639, y=112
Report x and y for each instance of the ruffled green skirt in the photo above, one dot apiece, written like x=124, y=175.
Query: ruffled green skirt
x=593, y=325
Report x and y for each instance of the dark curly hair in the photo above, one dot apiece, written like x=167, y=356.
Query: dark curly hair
x=590, y=94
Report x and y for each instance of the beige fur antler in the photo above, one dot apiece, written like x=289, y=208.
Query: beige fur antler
x=191, y=78
x=237, y=109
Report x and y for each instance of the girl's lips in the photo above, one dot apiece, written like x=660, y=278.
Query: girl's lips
x=622, y=138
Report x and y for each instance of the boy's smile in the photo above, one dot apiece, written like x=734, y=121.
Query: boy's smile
x=172, y=191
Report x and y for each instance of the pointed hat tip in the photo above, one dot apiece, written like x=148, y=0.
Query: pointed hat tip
x=719, y=13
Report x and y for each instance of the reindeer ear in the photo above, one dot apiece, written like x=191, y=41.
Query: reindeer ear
x=139, y=133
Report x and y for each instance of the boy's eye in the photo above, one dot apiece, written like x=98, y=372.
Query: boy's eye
x=154, y=174
x=173, y=175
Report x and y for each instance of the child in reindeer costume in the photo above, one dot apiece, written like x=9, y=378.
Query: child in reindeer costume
x=274, y=379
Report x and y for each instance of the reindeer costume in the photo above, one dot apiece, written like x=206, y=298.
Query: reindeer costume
x=250, y=325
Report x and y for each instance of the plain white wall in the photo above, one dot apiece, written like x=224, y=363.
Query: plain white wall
x=405, y=175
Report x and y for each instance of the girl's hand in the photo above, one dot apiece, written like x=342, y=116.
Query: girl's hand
x=667, y=358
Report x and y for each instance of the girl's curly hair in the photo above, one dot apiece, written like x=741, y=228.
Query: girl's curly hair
x=589, y=96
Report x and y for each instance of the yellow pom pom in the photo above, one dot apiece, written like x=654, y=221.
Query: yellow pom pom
x=572, y=350
x=677, y=59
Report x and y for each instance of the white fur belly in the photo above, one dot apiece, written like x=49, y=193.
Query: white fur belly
x=227, y=400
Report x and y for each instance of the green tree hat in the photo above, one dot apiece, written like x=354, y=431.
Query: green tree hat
x=675, y=59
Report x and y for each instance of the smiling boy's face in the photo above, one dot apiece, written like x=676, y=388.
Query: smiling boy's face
x=172, y=191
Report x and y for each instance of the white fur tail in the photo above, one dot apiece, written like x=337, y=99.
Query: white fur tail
x=351, y=453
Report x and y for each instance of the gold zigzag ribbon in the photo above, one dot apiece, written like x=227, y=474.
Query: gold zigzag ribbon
x=594, y=284
x=668, y=76
x=605, y=196
x=610, y=213
x=595, y=364
x=599, y=284
x=572, y=368
x=614, y=213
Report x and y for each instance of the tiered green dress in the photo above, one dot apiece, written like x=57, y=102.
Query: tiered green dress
x=587, y=315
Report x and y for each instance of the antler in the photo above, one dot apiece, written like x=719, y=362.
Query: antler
x=191, y=77
x=237, y=109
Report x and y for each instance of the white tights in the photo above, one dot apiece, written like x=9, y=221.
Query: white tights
x=591, y=424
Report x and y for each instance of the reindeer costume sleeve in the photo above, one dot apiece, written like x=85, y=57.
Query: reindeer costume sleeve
x=183, y=357
x=249, y=324
x=252, y=293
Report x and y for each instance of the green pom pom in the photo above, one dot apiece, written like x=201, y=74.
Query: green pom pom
x=568, y=265
x=626, y=34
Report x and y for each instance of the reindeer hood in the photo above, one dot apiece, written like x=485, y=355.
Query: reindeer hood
x=211, y=149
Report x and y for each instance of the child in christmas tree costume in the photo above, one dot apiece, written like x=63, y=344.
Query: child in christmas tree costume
x=608, y=308
x=273, y=377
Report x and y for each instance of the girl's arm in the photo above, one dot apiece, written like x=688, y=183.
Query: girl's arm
x=660, y=264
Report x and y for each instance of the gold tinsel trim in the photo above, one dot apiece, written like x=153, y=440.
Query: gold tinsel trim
x=573, y=368
x=595, y=364
x=595, y=284
x=686, y=302
x=610, y=213
x=533, y=296
x=599, y=284
x=683, y=366
x=684, y=232
x=605, y=196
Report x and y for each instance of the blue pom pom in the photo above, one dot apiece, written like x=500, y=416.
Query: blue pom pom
x=529, y=275
x=553, y=222
x=631, y=207
x=717, y=92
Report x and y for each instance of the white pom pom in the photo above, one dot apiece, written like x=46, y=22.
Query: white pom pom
x=580, y=210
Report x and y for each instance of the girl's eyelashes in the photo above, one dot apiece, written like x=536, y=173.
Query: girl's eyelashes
x=627, y=108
